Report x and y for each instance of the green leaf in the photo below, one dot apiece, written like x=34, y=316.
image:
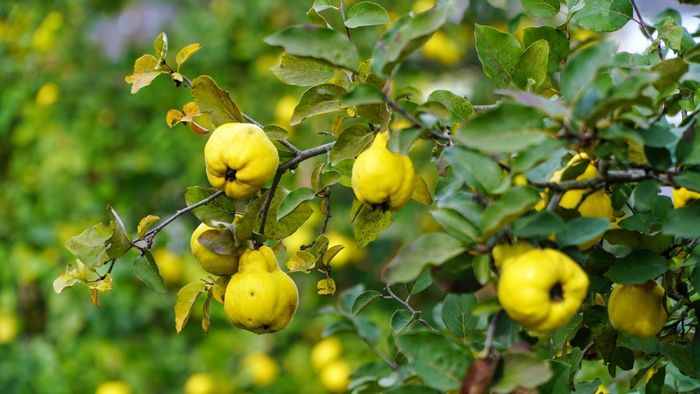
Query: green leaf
x=160, y=46
x=508, y=128
x=369, y=223
x=498, y=52
x=582, y=69
x=302, y=261
x=604, y=15
x=558, y=44
x=146, y=269
x=185, y=53
x=220, y=209
x=455, y=224
x=581, y=230
x=216, y=102
x=423, y=282
x=521, y=369
x=637, y=267
x=364, y=94
x=367, y=330
x=683, y=222
x=540, y=224
x=670, y=32
x=91, y=245
x=318, y=100
x=437, y=360
x=146, y=69
x=511, y=205
x=303, y=71
x=689, y=180
x=293, y=199
x=405, y=36
x=351, y=141
x=286, y=225
x=412, y=258
x=119, y=243
x=459, y=107
x=317, y=42
x=363, y=300
x=457, y=313
x=411, y=389
x=534, y=155
x=400, y=320
x=541, y=8
x=531, y=70
x=475, y=169
x=366, y=13
x=186, y=298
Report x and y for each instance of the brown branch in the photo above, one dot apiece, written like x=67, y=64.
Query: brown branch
x=414, y=121
x=415, y=314
x=611, y=178
x=645, y=30
x=152, y=232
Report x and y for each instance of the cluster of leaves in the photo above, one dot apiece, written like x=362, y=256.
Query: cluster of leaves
x=559, y=95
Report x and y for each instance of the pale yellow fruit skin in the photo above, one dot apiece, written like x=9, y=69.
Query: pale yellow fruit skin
x=380, y=176
x=244, y=148
x=335, y=376
x=214, y=263
x=683, y=197
x=442, y=49
x=169, y=265
x=113, y=387
x=325, y=351
x=262, y=368
x=200, y=383
x=638, y=309
x=525, y=283
x=504, y=252
x=260, y=297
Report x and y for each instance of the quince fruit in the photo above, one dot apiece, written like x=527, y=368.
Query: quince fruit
x=240, y=159
x=113, y=387
x=336, y=376
x=326, y=351
x=201, y=383
x=542, y=289
x=638, y=309
x=504, y=252
x=261, y=368
x=683, y=197
x=212, y=262
x=597, y=204
x=381, y=177
x=260, y=297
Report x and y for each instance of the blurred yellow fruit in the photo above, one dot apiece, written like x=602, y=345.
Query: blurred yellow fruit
x=325, y=351
x=442, y=49
x=349, y=253
x=284, y=110
x=212, y=262
x=169, y=265
x=8, y=327
x=422, y=5
x=44, y=36
x=48, y=94
x=683, y=197
x=302, y=236
x=113, y=387
x=520, y=180
x=602, y=390
x=335, y=376
x=260, y=297
x=201, y=383
x=638, y=310
x=504, y=252
x=262, y=368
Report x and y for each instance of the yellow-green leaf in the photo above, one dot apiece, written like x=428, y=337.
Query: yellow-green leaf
x=173, y=117
x=146, y=69
x=73, y=275
x=330, y=253
x=215, y=101
x=326, y=286
x=145, y=223
x=206, y=319
x=185, y=53
x=302, y=261
x=186, y=297
x=160, y=46
x=102, y=286
x=421, y=193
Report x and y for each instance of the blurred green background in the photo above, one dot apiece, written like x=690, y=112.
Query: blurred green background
x=74, y=140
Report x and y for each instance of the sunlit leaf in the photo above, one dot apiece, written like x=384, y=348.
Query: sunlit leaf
x=326, y=286
x=185, y=53
x=186, y=297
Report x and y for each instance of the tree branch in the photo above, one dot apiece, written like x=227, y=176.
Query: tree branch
x=645, y=30
x=416, y=315
x=414, y=121
x=611, y=178
x=152, y=232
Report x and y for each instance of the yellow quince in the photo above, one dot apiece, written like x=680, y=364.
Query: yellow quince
x=201, y=383
x=597, y=204
x=683, y=197
x=261, y=368
x=260, y=297
x=504, y=252
x=542, y=289
x=638, y=309
x=113, y=387
x=326, y=351
x=212, y=262
x=240, y=159
x=381, y=177
x=336, y=376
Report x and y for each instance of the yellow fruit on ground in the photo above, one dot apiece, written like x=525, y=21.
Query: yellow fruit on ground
x=212, y=262
x=381, y=177
x=442, y=49
x=638, y=310
x=261, y=368
x=201, y=383
x=349, y=253
x=113, y=387
x=683, y=197
x=504, y=252
x=260, y=297
x=8, y=327
x=325, y=351
x=542, y=289
x=240, y=159
x=335, y=376
x=169, y=265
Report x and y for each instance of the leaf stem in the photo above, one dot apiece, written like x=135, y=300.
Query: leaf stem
x=152, y=232
x=416, y=315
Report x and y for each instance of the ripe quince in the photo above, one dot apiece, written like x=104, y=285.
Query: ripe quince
x=597, y=204
x=336, y=376
x=542, y=289
x=260, y=297
x=326, y=351
x=381, y=177
x=261, y=368
x=240, y=159
x=683, y=197
x=638, y=309
x=201, y=383
x=212, y=262
x=113, y=387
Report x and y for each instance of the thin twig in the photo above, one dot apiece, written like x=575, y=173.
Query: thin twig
x=326, y=195
x=491, y=333
x=155, y=230
x=611, y=178
x=414, y=121
x=414, y=313
x=644, y=28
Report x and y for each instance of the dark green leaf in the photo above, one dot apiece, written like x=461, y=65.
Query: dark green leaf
x=582, y=68
x=293, y=199
x=317, y=42
x=366, y=13
x=540, y=224
x=637, y=267
x=558, y=44
x=369, y=223
x=581, y=230
x=459, y=107
x=475, y=169
x=511, y=205
x=220, y=209
x=412, y=258
x=531, y=70
x=683, y=222
x=400, y=320
x=363, y=94
x=303, y=71
x=455, y=224
x=521, y=369
x=541, y=8
x=318, y=100
x=364, y=299
x=498, y=52
x=423, y=282
x=457, y=314
x=286, y=225
x=145, y=268
x=604, y=15
x=216, y=102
